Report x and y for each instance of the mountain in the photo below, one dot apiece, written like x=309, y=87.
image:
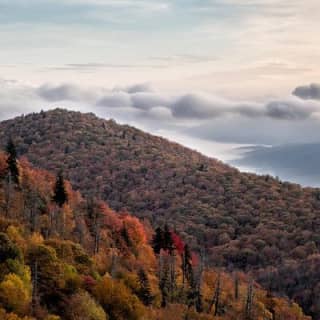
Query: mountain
x=243, y=221
x=294, y=162
x=53, y=268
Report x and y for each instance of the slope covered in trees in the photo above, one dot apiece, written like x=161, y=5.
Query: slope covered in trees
x=243, y=221
x=77, y=259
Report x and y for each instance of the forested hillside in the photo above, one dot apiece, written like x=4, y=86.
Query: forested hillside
x=241, y=221
x=64, y=257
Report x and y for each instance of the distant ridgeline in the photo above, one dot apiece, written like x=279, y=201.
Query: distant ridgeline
x=239, y=222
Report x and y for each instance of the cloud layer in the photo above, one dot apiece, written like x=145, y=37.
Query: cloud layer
x=311, y=91
x=189, y=106
x=195, y=114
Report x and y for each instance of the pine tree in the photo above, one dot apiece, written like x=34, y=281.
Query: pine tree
x=157, y=241
x=11, y=177
x=144, y=291
x=167, y=240
x=13, y=169
x=60, y=194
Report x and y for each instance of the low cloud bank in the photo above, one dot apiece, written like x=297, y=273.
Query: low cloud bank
x=193, y=106
x=295, y=118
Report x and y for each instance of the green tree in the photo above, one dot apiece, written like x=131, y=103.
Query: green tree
x=10, y=257
x=8, y=250
x=167, y=240
x=13, y=169
x=60, y=194
x=50, y=278
x=157, y=241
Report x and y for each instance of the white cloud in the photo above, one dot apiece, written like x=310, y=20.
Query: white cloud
x=115, y=100
x=65, y=92
x=199, y=115
x=193, y=106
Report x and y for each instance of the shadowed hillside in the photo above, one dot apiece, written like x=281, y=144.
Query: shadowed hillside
x=244, y=221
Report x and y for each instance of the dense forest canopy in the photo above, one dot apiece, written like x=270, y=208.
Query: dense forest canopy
x=77, y=259
x=246, y=222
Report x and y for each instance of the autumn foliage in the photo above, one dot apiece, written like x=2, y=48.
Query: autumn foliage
x=243, y=221
x=83, y=261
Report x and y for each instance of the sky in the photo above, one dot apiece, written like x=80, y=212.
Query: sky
x=211, y=74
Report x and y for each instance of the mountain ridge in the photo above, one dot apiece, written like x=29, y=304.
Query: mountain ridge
x=244, y=221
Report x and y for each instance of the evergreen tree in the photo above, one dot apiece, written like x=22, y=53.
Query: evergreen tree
x=167, y=240
x=144, y=291
x=163, y=240
x=60, y=194
x=157, y=241
x=13, y=170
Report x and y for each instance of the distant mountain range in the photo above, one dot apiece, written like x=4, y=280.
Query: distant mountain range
x=293, y=162
x=244, y=221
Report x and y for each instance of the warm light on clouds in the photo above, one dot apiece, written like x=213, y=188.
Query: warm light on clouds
x=237, y=48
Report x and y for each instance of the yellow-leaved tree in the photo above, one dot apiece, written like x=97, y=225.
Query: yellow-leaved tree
x=15, y=293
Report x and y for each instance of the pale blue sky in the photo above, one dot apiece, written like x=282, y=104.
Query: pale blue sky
x=246, y=48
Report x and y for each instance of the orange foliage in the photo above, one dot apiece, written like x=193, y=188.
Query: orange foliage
x=135, y=229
